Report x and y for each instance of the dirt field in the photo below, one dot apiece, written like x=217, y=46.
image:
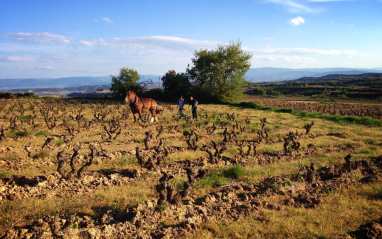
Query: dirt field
x=84, y=169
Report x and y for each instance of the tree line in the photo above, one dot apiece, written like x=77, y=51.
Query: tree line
x=215, y=76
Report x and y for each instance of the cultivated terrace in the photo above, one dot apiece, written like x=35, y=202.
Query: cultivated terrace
x=83, y=169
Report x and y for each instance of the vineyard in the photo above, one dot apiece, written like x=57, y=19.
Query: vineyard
x=331, y=109
x=83, y=169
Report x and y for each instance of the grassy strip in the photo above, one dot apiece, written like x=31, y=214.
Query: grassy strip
x=368, y=121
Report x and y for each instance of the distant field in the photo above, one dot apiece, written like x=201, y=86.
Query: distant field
x=372, y=109
x=82, y=169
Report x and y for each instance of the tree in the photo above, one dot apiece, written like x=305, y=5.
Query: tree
x=176, y=84
x=127, y=80
x=221, y=72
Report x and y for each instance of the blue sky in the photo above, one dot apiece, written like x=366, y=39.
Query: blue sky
x=55, y=38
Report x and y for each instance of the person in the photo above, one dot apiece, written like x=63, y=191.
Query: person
x=194, y=105
x=180, y=106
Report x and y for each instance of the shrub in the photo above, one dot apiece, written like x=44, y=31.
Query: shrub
x=273, y=92
x=258, y=91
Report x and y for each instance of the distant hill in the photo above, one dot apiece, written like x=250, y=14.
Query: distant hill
x=6, y=84
x=333, y=86
x=269, y=74
x=33, y=83
x=365, y=79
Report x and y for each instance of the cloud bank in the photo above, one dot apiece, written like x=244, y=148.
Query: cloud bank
x=41, y=38
x=149, y=42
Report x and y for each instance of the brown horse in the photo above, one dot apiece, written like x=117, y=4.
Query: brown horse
x=139, y=106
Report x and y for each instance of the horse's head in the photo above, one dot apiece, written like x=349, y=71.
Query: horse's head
x=130, y=97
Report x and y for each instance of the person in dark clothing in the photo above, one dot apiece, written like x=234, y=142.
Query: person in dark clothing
x=194, y=105
x=180, y=105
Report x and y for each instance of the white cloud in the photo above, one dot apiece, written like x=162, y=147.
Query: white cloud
x=105, y=19
x=331, y=0
x=20, y=58
x=45, y=68
x=11, y=58
x=296, y=21
x=263, y=59
x=39, y=37
x=152, y=42
x=293, y=6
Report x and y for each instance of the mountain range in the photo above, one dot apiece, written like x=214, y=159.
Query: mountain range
x=266, y=74
x=269, y=74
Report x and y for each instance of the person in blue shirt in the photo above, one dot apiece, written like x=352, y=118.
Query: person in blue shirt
x=194, y=105
x=180, y=106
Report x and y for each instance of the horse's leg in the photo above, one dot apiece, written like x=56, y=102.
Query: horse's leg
x=153, y=114
x=140, y=115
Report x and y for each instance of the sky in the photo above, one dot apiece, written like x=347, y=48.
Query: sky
x=55, y=38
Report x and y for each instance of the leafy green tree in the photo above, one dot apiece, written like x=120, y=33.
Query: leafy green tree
x=221, y=72
x=176, y=84
x=127, y=80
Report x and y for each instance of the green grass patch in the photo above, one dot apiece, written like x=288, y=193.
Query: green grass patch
x=41, y=133
x=178, y=183
x=255, y=172
x=370, y=141
x=58, y=143
x=3, y=174
x=218, y=121
x=221, y=177
x=161, y=208
x=125, y=160
x=185, y=125
x=213, y=179
x=365, y=151
x=186, y=132
x=232, y=150
x=198, y=124
x=17, y=134
x=235, y=172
